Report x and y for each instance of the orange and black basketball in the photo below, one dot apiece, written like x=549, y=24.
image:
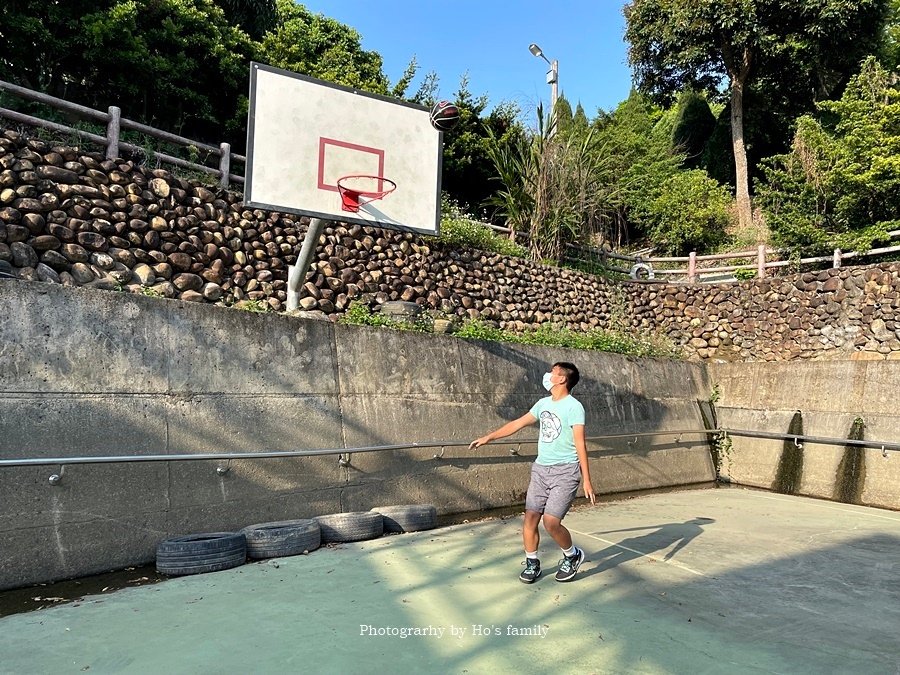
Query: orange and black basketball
x=444, y=115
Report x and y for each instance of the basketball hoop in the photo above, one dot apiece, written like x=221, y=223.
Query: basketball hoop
x=359, y=190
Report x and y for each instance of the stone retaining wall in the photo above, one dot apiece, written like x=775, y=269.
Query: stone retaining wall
x=75, y=218
x=837, y=313
x=80, y=220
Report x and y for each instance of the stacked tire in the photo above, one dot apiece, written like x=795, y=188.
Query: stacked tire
x=354, y=526
x=201, y=553
x=408, y=518
x=282, y=538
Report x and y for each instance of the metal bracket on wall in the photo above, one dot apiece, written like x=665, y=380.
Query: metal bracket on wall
x=342, y=461
x=436, y=456
x=515, y=450
x=56, y=478
x=223, y=469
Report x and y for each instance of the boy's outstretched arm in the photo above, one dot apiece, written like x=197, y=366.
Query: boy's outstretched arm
x=506, y=430
x=581, y=449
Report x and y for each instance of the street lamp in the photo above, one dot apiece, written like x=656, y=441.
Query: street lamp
x=552, y=75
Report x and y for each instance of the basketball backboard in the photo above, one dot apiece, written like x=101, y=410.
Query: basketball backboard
x=304, y=135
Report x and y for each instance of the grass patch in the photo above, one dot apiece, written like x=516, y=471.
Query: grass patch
x=549, y=335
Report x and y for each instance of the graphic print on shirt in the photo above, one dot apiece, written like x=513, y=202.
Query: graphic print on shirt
x=551, y=427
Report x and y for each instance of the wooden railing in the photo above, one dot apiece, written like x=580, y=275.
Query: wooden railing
x=693, y=273
x=115, y=123
x=646, y=268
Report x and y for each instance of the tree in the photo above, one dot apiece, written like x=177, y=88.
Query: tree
x=840, y=184
x=889, y=52
x=254, y=17
x=563, y=115
x=693, y=125
x=579, y=120
x=314, y=45
x=637, y=135
x=701, y=43
x=175, y=64
x=467, y=172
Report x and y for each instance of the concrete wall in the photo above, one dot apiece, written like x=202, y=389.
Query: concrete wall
x=91, y=373
x=830, y=395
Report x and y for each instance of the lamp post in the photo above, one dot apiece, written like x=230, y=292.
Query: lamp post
x=552, y=76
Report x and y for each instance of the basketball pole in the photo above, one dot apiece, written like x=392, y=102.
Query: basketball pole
x=297, y=273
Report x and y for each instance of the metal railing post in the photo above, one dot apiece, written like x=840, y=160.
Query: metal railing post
x=113, y=128
x=224, y=164
x=761, y=261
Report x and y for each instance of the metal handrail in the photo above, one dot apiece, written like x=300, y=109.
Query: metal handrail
x=884, y=446
x=803, y=438
x=59, y=461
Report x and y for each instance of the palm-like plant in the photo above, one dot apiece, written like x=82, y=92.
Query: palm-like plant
x=555, y=186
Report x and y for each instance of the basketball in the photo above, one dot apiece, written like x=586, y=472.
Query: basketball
x=444, y=115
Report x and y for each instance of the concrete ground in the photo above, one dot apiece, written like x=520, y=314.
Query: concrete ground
x=704, y=581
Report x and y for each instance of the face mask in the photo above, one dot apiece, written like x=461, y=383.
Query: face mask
x=548, y=385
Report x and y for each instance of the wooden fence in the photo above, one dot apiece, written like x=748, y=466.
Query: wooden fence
x=651, y=269
x=115, y=123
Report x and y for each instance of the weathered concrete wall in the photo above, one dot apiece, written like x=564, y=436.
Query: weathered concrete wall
x=830, y=395
x=91, y=373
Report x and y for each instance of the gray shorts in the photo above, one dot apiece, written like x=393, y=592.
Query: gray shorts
x=552, y=488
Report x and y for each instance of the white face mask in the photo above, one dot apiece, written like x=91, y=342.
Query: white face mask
x=548, y=385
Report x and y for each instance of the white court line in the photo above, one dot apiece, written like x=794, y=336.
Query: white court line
x=815, y=502
x=645, y=555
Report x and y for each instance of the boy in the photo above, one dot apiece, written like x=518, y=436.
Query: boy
x=560, y=465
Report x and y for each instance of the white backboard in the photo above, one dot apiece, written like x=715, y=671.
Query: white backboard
x=303, y=134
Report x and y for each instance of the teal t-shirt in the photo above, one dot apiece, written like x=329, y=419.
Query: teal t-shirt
x=556, y=444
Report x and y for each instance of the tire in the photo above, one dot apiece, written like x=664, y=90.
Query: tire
x=282, y=538
x=641, y=271
x=341, y=527
x=200, y=553
x=410, y=518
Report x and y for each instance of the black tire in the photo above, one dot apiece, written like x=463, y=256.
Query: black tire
x=409, y=518
x=200, y=553
x=282, y=538
x=356, y=526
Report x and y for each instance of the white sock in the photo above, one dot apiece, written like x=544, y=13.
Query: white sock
x=531, y=555
x=570, y=551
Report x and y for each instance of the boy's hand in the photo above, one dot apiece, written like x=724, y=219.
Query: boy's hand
x=478, y=442
x=589, y=493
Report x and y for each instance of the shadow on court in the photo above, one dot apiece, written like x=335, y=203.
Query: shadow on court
x=668, y=537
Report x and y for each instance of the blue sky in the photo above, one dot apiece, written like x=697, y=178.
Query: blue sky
x=488, y=39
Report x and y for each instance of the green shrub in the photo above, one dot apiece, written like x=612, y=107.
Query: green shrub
x=255, y=306
x=359, y=314
x=549, y=335
x=691, y=212
x=458, y=229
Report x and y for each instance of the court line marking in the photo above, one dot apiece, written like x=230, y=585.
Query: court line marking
x=815, y=502
x=640, y=553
